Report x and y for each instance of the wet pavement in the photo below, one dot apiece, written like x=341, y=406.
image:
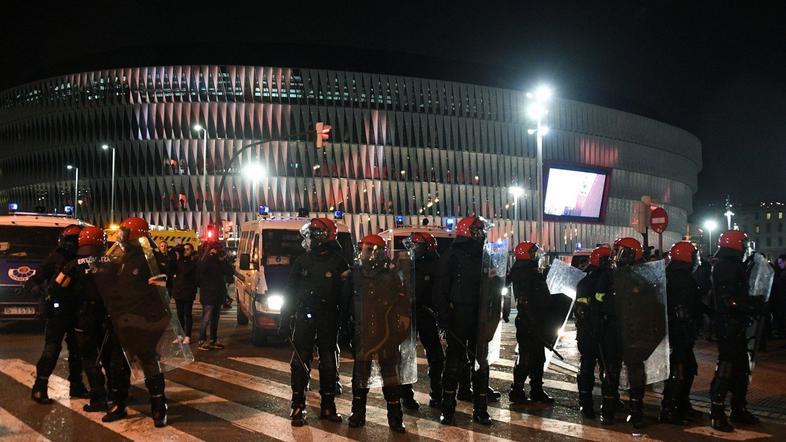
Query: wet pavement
x=242, y=393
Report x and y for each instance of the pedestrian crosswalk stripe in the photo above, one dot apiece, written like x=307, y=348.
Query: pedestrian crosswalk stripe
x=737, y=434
x=14, y=430
x=501, y=414
x=136, y=427
x=425, y=427
x=247, y=418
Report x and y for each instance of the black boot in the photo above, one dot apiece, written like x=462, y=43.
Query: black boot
x=536, y=394
x=297, y=413
x=358, y=416
x=435, y=370
x=743, y=416
x=464, y=393
x=480, y=413
x=116, y=412
x=448, y=416
x=669, y=406
x=78, y=390
x=517, y=394
x=636, y=416
x=97, y=402
x=607, y=409
x=493, y=395
x=408, y=398
x=586, y=406
x=328, y=408
x=395, y=414
x=158, y=406
x=40, y=392
x=718, y=418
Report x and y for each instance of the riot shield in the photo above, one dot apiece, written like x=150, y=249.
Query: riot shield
x=139, y=309
x=759, y=285
x=562, y=280
x=492, y=281
x=640, y=307
x=384, y=333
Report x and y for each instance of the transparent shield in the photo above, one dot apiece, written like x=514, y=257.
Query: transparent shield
x=384, y=341
x=493, y=271
x=759, y=286
x=139, y=309
x=562, y=280
x=640, y=304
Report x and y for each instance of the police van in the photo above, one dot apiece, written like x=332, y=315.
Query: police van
x=395, y=237
x=266, y=251
x=26, y=239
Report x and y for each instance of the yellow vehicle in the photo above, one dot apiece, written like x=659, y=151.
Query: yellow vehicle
x=173, y=237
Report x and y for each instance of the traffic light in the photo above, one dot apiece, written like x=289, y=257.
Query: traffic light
x=211, y=232
x=321, y=135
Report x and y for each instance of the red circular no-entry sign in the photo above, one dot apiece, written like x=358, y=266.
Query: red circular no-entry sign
x=659, y=219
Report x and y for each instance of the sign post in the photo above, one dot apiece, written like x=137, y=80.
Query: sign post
x=659, y=221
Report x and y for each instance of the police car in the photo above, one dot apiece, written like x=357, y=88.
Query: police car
x=266, y=251
x=26, y=239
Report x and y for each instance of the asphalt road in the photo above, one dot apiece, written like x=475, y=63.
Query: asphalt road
x=242, y=393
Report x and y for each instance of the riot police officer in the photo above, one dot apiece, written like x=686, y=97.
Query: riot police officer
x=59, y=310
x=531, y=294
x=733, y=311
x=599, y=264
x=91, y=318
x=457, y=293
x=139, y=317
x=683, y=299
x=425, y=263
x=311, y=316
x=382, y=321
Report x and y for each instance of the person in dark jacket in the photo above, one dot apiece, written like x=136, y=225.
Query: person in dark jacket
x=457, y=293
x=531, y=294
x=212, y=272
x=682, y=303
x=586, y=332
x=311, y=316
x=734, y=308
x=59, y=311
x=425, y=261
x=184, y=288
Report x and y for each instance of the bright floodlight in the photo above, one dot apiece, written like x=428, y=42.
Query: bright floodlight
x=198, y=127
x=543, y=93
x=544, y=130
x=69, y=167
x=516, y=191
x=536, y=110
x=710, y=225
x=105, y=146
x=254, y=171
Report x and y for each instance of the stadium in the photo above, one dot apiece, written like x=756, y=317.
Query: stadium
x=399, y=148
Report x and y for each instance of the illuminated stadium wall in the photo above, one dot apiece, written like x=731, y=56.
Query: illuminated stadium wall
x=399, y=145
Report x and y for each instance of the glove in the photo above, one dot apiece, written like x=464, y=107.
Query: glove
x=285, y=328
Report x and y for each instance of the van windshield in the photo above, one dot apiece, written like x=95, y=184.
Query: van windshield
x=282, y=246
x=443, y=243
x=28, y=242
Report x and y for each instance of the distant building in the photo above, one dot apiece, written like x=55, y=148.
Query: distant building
x=764, y=224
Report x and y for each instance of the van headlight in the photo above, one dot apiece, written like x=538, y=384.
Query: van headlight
x=274, y=302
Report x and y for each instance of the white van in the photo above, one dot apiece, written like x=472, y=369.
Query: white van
x=267, y=249
x=26, y=239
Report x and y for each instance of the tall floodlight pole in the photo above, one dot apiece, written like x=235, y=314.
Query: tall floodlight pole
x=76, y=187
x=710, y=225
x=537, y=111
x=112, y=203
x=203, y=132
x=516, y=192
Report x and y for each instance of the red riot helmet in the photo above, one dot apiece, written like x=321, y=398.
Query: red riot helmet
x=526, y=251
x=683, y=251
x=372, y=251
x=600, y=255
x=627, y=250
x=134, y=228
x=318, y=231
x=734, y=240
x=91, y=236
x=473, y=227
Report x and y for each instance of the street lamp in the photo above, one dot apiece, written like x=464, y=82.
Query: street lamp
x=254, y=172
x=76, y=187
x=112, y=204
x=710, y=225
x=516, y=192
x=199, y=128
x=537, y=111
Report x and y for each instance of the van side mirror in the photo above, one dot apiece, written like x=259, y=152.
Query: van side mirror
x=245, y=261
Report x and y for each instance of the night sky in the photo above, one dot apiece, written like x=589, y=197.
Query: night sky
x=716, y=71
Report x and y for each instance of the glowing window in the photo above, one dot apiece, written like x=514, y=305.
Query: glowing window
x=769, y=215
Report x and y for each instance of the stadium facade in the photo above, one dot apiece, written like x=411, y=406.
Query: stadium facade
x=399, y=145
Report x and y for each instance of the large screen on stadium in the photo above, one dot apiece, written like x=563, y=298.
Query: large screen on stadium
x=575, y=193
